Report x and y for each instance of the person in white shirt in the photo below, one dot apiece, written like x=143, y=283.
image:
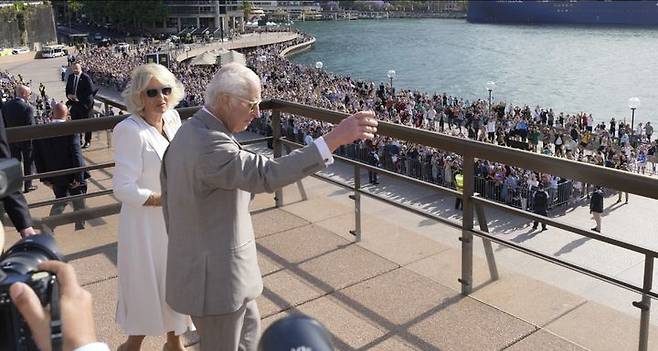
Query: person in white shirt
x=491, y=129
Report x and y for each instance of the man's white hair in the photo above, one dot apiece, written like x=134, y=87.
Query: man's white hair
x=232, y=79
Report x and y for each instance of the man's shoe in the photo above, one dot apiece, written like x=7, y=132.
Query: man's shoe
x=543, y=229
x=596, y=230
x=30, y=188
x=86, y=145
x=79, y=226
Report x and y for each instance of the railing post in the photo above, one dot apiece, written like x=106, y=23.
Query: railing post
x=645, y=304
x=357, y=204
x=467, y=225
x=276, y=148
x=109, y=131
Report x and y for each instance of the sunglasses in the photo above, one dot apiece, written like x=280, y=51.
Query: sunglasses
x=166, y=91
x=252, y=104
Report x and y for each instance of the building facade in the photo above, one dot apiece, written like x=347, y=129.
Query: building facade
x=218, y=16
x=296, y=10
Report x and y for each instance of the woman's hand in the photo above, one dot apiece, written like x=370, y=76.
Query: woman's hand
x=153, y=200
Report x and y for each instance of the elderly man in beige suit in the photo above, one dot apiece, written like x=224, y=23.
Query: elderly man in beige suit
x=207, y=179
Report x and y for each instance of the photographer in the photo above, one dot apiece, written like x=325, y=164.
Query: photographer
x=76, y=311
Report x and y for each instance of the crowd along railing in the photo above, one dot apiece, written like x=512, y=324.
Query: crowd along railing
x=472, y=203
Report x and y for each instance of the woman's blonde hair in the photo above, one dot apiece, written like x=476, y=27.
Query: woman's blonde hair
x=140, y=78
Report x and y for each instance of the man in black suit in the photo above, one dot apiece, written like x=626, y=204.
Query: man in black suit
x=53, y=154
x=540, y=206
x=18, y=113
x=80, y=91
x=14, y=204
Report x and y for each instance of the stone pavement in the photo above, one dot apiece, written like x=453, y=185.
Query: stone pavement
x=245, y=40
x=395, y=290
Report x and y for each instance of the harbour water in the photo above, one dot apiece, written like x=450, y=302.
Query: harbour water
x=567, y=68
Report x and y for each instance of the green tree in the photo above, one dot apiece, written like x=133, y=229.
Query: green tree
x=21, y=13
x=246, y=9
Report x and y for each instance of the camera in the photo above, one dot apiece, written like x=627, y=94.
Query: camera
x=19, y=264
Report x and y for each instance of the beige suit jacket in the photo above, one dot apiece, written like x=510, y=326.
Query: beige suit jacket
x=206, y=183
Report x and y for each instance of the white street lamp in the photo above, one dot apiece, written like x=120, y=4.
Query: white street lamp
x=391, y=75
x=633, y=103
x=491, y=85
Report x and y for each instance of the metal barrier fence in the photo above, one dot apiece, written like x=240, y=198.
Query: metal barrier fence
x=513, y=195
x=472, y=202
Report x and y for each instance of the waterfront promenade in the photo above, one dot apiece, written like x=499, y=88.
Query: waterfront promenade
x=245, y=41
x=398, y=288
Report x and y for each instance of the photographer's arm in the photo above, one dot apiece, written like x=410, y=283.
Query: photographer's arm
x=76, y=311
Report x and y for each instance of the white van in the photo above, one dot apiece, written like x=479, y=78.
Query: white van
x=50, y=51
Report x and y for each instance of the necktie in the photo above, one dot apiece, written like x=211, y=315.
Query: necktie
x=75, y=85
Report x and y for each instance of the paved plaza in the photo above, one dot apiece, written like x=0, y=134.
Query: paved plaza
x=398, y=288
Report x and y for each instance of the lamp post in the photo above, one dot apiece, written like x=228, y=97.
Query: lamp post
x=391, y=75
x=633, y=103
x=490, y=87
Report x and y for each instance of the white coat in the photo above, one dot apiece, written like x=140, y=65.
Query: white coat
x=142, y=239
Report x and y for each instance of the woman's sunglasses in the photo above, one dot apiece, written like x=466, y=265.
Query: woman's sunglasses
x=154, y=92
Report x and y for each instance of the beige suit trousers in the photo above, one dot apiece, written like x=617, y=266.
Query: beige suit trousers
x=597, y=219
x=237, y=331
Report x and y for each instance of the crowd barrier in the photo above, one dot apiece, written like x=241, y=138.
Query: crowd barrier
x=422, y=169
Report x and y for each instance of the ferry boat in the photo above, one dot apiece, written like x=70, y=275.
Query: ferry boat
x=585, y=12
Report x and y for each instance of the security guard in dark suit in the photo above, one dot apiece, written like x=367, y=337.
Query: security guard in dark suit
x=596, y=207
x=19, y=113
x=540, y=206
x=57, y=153
x=14, y=204
x=80, y=91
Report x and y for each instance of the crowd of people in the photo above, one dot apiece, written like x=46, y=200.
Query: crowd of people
x=575, y=136
x=39, y=98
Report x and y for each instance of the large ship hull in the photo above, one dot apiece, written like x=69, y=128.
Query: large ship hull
x=635, y=13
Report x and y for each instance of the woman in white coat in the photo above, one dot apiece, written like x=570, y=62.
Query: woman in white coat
x=141, y=140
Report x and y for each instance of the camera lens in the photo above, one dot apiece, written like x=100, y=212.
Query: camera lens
x=25, y=255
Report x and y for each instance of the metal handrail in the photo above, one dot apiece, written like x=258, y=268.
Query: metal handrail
x=485, y=235
x=609, y=177
x=68, y=171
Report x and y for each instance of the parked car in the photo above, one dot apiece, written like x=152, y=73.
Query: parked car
x=21, y=50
